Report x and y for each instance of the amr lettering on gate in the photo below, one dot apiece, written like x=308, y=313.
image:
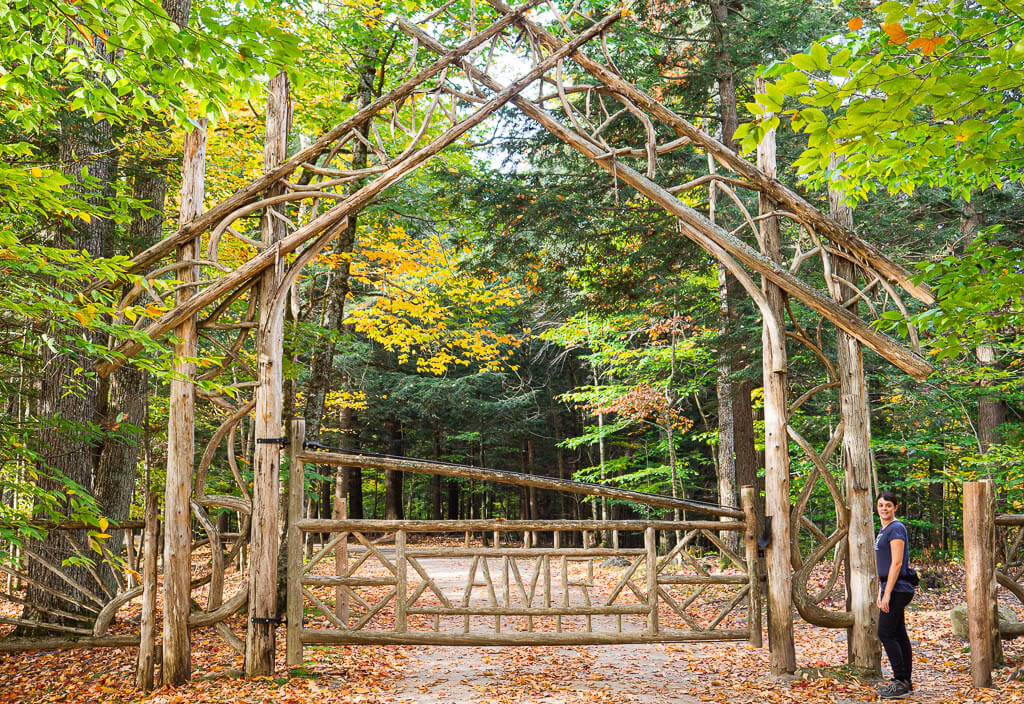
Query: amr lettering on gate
x=515, y=582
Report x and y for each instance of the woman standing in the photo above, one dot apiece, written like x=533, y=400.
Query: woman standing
x=894, y=593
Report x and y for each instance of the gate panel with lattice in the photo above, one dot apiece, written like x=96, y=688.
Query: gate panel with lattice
x=521, y=582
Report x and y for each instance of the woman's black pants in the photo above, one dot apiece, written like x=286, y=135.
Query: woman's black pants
x=892, y=631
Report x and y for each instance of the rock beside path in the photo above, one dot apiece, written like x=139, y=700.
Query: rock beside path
x=959, y=620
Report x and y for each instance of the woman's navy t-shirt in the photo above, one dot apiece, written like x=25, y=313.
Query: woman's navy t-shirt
x=883, y=555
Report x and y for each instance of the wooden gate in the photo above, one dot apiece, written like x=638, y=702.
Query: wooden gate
x=497, y=582
x=518, y=583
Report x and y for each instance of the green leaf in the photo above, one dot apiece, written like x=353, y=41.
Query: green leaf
x=804, y=62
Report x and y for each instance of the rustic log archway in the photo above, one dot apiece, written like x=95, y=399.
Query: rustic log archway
x=461, y=93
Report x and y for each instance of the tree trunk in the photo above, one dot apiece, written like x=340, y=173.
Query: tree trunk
x=991, y=409
x=393, y=480
x=737, y=460
x=435, y=481
x=453, y=499
x=69, y=441
x=338, y=286
x=177, y=664
x=563, y=469
x=125, y=403
x=776, y=440
x=531, y=468
x=724, y=71
x=863, y=646
x=353, y=476
x=936, y=497
x=260, y=634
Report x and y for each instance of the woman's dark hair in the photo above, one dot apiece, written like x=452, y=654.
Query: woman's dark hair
x=891, y=497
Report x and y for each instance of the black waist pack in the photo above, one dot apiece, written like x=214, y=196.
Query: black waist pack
x=909, y=576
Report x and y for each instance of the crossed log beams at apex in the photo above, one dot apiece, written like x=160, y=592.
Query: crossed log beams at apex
x=708, y=235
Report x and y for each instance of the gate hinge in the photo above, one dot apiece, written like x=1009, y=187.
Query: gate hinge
x=275, y=620
x=766, y=537
x=272, y=441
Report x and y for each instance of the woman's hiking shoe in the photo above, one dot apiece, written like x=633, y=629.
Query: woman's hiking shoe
x=897, y=689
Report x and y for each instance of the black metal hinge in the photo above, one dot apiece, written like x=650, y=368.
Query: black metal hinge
x=275, y=620
x=272, y=441
x=766, y=537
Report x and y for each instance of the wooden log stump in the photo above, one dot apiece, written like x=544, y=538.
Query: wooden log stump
x=979, y=556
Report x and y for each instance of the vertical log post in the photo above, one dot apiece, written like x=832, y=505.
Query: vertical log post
x=260, y=635
x=747, y=498
x=177, y=660
x=144, y=679
x=864, y=649
x=341, y=601
x=776, y=440
x=979, y=557
x=651, y=543
x=296, y=494
x=130, y=558
x=401, y=586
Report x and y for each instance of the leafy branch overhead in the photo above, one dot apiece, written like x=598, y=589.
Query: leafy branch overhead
x=925, y=94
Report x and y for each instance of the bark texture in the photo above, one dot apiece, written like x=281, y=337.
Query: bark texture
x=863, y=646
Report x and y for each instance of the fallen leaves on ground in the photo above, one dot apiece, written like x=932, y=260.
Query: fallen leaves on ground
x=685, y=673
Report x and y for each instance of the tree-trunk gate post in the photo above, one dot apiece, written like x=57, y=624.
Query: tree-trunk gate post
x=341, y=601
x=260, y=634
x=864, y=649
x=776, y=438
x=979, y=560
x=747, y=498
x=144, y=678
x=651, y=543
x=296, y=495
x=401, y=578
x=177, y=665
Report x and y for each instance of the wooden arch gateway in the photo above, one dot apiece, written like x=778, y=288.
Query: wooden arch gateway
x=303, y=202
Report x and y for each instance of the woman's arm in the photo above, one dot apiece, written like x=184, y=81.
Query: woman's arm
x=896, y=548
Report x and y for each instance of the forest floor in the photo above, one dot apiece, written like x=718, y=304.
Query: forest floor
x=664, y=673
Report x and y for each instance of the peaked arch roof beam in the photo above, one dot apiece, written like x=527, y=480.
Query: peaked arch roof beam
x=775, y=189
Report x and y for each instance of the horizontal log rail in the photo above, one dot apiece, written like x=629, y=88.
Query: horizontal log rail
x=80, y=525
x=355, y=459
x=332, y=636
x=326, y=525
x=575, y=553
x=703, y=579
x=24, y=645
